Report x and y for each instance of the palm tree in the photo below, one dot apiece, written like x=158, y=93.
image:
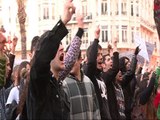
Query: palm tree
x=22, y=18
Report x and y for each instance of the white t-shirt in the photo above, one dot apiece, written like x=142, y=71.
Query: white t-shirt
x=13, y=95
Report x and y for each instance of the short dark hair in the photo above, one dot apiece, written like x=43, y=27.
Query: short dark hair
x=89, y=49
x=104, y=57
x=34, y=43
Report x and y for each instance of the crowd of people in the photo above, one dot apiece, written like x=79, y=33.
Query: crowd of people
x=56, y=84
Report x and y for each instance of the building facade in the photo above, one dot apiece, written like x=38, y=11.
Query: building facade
x=117, y=18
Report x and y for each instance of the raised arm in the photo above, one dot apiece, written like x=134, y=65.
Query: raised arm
x=129, y=75
x=74, y=49
x=145, y=95
x=92, y=55
x=110, y=75
x=46, y=51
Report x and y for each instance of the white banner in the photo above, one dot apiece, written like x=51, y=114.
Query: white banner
x=142, y=45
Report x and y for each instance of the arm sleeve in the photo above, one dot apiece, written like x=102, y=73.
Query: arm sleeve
x=92, y=63
x=72, y=54
x=145, y=95
x=46, y=51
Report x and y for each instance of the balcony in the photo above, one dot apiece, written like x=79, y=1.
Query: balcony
x=87, y=17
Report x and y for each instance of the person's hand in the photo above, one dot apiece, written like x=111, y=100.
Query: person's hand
x=115, y=42
x=137, y=50
x=14, y=44
x=115, y=45
x=79, y=19
x=14, y=41
x=97, y=32
x=69, y=10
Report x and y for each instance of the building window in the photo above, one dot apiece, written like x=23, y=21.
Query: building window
x=68, y=37
x=124, y=33
x=46, y=11
x=104, y=7
x=124, y=8
x=53, y=11
x=117, y=33
x=117, y=10
x=84, y=8
x=132, y=34
x=137, y=9
x=132, y=11
x=39, y=12
x=9, y=14
x=85, y=37
x=104, y=33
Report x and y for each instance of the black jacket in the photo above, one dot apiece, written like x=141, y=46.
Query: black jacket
x=90, y=69
x=44, y=100
x=109, y=78
x=128, y=85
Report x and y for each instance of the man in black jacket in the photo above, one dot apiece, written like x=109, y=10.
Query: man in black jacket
x=44, y=100
x=93, y=70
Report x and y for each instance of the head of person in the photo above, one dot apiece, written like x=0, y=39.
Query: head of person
x=34, y=43
x=124, y=64
x=119, y=76
x=99, y=58
x=57, y=64
x=2, y=41
x=14, y=75
x=107, y=62
x=23, y=65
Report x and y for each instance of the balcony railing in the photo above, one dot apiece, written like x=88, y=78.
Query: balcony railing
x=86, y=17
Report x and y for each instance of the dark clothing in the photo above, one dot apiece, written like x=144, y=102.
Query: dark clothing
x=129, y=93
x=109, y=78
x=44, y=100
x=145, y=93
x=95, y=75
x=7, y=91
x=128, y=85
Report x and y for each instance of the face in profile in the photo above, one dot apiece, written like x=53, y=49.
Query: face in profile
x=58, y=62
x=99, y=60
x=119, y=76
x=107, y=63
x=127, y=64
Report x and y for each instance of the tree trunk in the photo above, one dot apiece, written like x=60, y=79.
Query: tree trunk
x=22, y=19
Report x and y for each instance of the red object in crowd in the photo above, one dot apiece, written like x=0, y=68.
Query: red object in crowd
x=156, y=100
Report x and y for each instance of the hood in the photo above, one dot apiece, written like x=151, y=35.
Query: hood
x=122, y=66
